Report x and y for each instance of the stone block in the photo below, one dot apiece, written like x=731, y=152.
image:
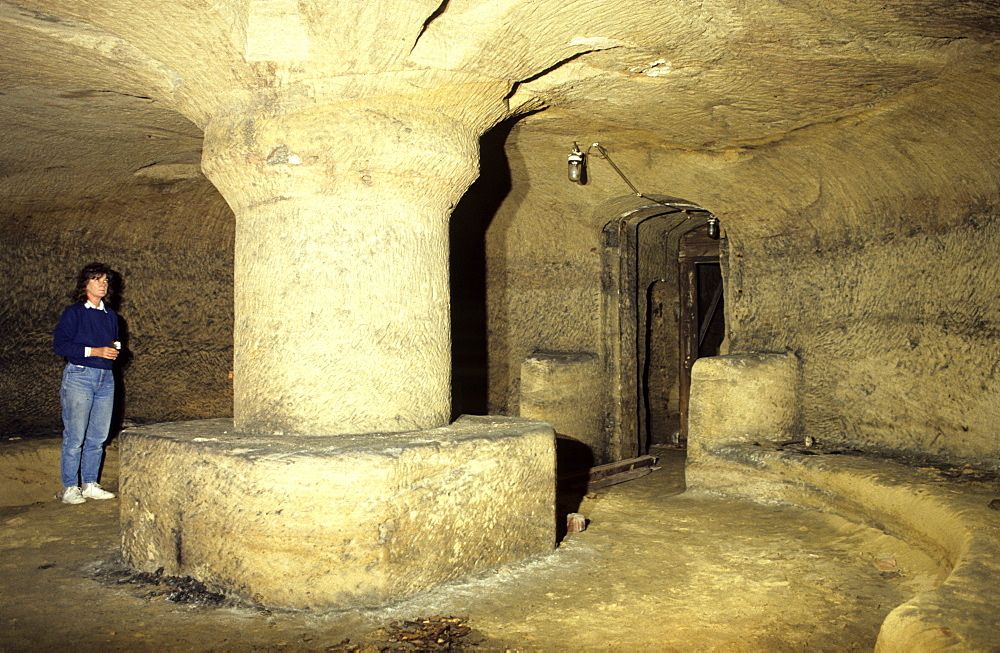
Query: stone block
x=564, y=389
x=340, y=521
x=741, y=398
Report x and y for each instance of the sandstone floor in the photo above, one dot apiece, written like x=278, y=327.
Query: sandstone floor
x=657, y=569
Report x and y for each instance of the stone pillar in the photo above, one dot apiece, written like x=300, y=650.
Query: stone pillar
x=341, y=262
x=342, y=331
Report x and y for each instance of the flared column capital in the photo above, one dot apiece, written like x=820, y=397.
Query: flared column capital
x=403, y=134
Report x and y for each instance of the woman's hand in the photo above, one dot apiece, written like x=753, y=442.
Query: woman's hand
x=104, y=352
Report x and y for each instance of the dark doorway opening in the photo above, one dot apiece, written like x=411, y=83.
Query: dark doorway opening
x=702, y=327
x=643, y=309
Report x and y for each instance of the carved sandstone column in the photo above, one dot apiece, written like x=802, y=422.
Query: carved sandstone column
x=341, y=262
x=341, y=328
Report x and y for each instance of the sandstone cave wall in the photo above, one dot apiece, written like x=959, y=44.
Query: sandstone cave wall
x=881, y=274
x=174, y=250
x=867, y=246
x=549, y=292
x=543, y=265
x=896, y=331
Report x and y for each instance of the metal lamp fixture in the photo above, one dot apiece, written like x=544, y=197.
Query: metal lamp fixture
x=577, y=160
x=577, y=172
x=713, y=227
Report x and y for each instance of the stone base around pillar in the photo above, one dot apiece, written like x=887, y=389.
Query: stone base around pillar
x=337, y=521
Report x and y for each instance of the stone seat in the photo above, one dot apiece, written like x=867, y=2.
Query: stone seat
x=949, y=517
x=337, y=521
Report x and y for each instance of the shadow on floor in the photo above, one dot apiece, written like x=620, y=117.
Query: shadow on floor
x=573, y=462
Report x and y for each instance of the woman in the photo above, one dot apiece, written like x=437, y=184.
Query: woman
x=87, y=336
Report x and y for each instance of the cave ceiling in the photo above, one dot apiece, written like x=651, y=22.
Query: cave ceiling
x=106, y=100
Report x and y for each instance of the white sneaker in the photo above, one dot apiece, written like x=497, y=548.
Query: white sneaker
x=72, y=495
x=95, y=491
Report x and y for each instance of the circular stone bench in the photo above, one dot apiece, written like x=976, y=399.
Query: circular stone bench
x=741, y=406
x=335, y=522
x=949, y=520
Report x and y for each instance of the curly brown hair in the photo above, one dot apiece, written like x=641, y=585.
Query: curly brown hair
x=94, y=271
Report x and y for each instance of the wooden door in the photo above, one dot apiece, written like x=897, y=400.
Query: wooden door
x=702, y=325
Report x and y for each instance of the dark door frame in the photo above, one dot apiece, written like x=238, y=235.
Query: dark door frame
x=623, y=309
x=699, y=251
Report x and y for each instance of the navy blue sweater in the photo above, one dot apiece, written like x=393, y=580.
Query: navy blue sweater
x=81, y=327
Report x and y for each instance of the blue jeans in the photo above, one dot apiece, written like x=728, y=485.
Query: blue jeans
x=87, y=395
